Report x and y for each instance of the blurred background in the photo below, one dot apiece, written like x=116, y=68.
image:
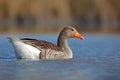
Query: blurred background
x=37, y=16
x=95, y=58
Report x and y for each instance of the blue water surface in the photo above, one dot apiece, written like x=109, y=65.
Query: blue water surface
x=95, y=58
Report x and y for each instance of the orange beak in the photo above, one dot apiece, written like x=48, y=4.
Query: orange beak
x=77, y=35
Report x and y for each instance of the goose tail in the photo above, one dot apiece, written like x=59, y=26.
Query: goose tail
x=13, y=39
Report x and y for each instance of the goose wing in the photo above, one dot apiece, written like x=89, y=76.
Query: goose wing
x=40, y=44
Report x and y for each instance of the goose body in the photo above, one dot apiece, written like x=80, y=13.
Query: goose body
x=38, y=49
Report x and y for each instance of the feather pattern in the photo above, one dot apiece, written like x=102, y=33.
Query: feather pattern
x=48, y=50
x=40, y=44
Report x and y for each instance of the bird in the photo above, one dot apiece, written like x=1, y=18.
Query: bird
x=33, y=49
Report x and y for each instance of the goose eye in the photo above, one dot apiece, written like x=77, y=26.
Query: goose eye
x=72, y=29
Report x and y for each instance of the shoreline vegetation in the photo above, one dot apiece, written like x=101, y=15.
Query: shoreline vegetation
x=47, y=30
x=45, y=16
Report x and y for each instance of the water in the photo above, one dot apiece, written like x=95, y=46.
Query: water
x=95, y=58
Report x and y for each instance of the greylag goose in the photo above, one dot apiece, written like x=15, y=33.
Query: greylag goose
x=38, y=49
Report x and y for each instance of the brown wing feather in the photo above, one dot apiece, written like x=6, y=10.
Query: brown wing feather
x=41, y=44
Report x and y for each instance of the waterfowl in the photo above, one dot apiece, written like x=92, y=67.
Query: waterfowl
x=38, y=49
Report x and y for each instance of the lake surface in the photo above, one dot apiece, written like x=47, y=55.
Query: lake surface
x=95, y=58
